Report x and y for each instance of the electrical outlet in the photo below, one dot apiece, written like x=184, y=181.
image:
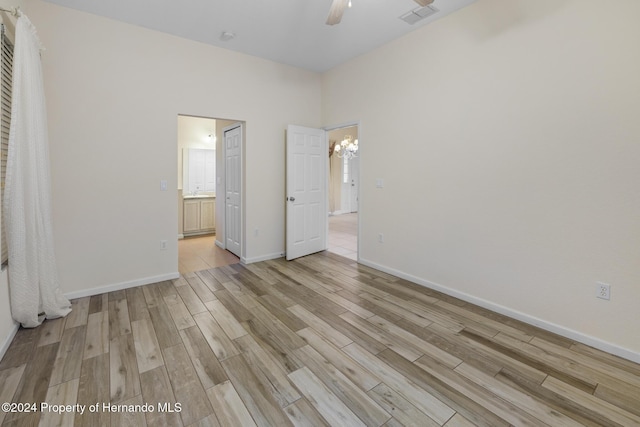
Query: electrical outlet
x=603, y=291
x=381, y=238
x=163, y=245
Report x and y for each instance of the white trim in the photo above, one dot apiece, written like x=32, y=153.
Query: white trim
x=122, y=285
x=220, y=244
x=343, y=125
x=267, y=257
x=515, y=314
x=7, y=341
x=180, y=236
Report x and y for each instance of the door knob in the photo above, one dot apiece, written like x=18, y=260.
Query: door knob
x=292, y=199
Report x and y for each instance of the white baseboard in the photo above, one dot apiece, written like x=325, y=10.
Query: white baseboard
x=262, y=258
x=515, y=314
x=122, y=285
x=7, y=341
x=220, y=244
x=180, y=236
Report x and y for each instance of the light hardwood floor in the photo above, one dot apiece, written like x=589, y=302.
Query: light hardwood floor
x=316, y=341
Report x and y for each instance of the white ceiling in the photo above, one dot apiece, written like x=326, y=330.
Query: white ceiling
x=286, y=31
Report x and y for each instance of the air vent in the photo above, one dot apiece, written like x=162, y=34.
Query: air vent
x=418, y=14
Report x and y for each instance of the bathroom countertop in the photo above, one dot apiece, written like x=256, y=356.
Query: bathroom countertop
x=199, y=196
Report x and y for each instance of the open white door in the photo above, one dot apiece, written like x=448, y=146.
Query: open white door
x=306, y=191
x=233, y=188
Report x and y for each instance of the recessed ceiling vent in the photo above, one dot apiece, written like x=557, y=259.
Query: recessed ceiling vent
x=418, y=14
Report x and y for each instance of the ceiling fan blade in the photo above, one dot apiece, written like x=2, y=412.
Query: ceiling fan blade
x=424, y=3
x=336, y=11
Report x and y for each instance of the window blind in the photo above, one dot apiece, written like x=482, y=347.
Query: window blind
x=6, y=65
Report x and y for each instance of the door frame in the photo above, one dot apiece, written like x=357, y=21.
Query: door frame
x=221, y=189
x=358, y=124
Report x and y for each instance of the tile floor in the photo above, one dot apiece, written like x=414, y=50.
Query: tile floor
x=343, y=235
x=201, y=253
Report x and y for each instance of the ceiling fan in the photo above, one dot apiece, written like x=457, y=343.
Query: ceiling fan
x=338, y=7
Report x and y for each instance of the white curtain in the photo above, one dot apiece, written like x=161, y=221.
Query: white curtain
x=33, y=277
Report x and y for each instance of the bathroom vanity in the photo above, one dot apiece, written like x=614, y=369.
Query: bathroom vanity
x=199, y=214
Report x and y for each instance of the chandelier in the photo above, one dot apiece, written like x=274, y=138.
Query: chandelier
x=347, y=148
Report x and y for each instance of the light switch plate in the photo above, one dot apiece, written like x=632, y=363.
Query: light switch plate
x=163, y=185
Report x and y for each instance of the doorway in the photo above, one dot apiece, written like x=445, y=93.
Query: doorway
x=201, y=179
x=344, y=193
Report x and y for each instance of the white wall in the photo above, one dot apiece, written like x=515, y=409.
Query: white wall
x=516, y=179
x=113, y=94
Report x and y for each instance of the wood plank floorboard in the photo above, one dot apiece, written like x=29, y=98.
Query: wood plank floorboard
x=124, y=376
x=302, y=414
x=10, y=379
x=93, y=388
x=350, y=394
x=186, y=386
x=204, y=360
x=403, y=411
x=80, y=311
x=356, y=373
x=96, y=303
x=259, y=359
x=261, y=404
x=129, y=419
x=228, y=407
x=212, y=283
x=156, y=389
x=97, y=339
x=51, y=331
x=137, y=304
x=35, y=379
x=69, y=357
x=58, y=395
x=326, y=403
x=318, y=341
x=279, y=310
